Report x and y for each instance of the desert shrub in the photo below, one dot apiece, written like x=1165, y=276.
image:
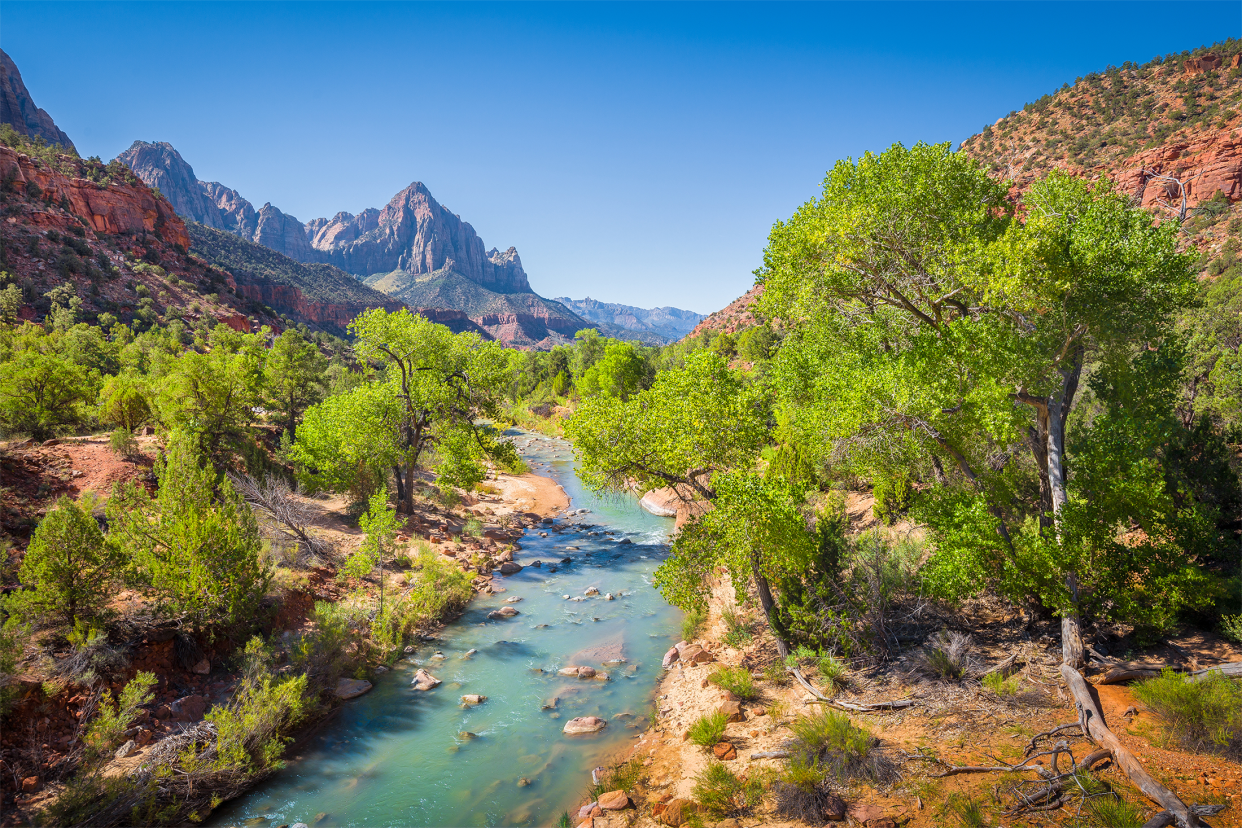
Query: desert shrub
x=106, y=729
x=708, y=730
x=251, y=726
x=1001, y=686
x=737, y=630
x=472, y=527
x=122, y=442
x=693, y=620
x=893, y=497
x=1114, y=812
x=13, y=638
x=721, y=792
x=737, y=680
x=776, y=674
x=1202, y=715
x=948, y=655
x=832, y=672
x=92, y=657
x=801, y=791
x=68, y=568
x=844, y=751
x=327, y=651
x=967, y=811
x=1231, y=628
x=623, y=777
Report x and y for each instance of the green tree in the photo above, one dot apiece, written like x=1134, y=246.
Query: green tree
x=42, y=394
x=293, y=378
x=123, y=401
x=194, y=547
x=67, y=569
x=431, y=388
x=618, y=373
x=931, y=331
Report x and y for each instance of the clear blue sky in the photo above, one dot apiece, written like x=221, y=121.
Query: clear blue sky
x=635, y=153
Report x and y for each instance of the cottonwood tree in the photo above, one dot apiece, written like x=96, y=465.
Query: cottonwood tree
x=429, y=389
x=932, y=329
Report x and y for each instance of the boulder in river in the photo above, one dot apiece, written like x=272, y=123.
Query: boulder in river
x=503, y=612
x=510, y=568
x=424, y=680
x=584, y=724
x=586, y=672
x=348, y=688
x=669, y=657
x=512, y=599
x=591, y=591
x=473, y=698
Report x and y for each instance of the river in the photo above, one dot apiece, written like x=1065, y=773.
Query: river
x=398, y=756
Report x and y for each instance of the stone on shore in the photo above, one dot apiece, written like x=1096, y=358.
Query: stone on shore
x=348, y=688
x=126, y=749
x=584, y=724
x=732, y=711
x=669, y=657
x=614, y=800
x=424, y=680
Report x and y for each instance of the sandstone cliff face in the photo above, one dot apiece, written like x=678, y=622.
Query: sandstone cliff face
x=112, y=208
x=159, y=165
x=18, y=109
x=1210, y=162
x=282, y=233
x=416, y=235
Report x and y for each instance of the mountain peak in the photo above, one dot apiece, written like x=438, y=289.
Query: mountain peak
x=18, y=109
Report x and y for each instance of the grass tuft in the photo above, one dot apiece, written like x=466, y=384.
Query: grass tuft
x=1114, y=812
x=844, y=751
x=737, y=680
x=721, y=792
x=707, y=730
x=968, y=811
x=692, y=622
x=737, y=630
x=1204, y=716
x=949, y=655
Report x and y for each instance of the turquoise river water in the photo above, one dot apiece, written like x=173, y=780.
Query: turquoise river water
x=396, y=756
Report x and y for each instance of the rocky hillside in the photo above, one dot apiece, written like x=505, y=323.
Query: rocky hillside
x=18, y=110
x=413, y=249
x=654, y=326
x=734, y=317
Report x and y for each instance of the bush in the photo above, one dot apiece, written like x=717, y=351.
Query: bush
x=948, y=655
x=832, y=672
x=691, y=623
x=105, y=731
x=708, y=730
x=123, y=443
x=893, y=497
x=68, y=566
x=801, y=791
x=737, y=630
x=1001, y=686
x=831, y=742
x=1114, y=812
x=1203, y=716
x=737, y=680
x=720, y=792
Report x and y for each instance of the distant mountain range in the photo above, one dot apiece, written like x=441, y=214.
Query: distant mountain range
x=655, y=326
x=413, y=249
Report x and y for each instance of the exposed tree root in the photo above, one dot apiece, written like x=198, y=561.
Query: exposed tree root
x=869, y=707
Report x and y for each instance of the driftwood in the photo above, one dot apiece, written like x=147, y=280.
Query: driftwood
x=771, y=754
x=1092, y=722
x=1124, y=672
x=1164, y=818
x=867, y=707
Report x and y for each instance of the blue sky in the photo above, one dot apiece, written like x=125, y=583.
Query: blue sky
x=634, y=152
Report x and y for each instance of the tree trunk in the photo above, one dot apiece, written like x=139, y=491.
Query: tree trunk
x=396, y=473
x=409, y=488
x=769, y=607
x=1059, y=404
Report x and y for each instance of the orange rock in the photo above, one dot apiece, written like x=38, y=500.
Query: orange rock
x=725, y=751
x=614, y=800
x=677, y=811
x=733, y=711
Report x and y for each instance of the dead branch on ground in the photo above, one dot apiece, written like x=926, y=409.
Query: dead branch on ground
x=290, y=518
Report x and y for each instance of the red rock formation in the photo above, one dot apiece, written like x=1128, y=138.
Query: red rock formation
x=112, y=208
x=18, y=109
x=1210, y=162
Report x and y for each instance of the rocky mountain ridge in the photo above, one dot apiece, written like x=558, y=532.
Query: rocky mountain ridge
x=655, y=326
x=18, y=109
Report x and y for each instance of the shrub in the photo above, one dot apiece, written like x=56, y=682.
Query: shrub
x=969, y=812
x=1114, y=812
x=1001, y=686
x=893, y=497
x=720, y=792
x=737, y=680
x=844, y=751
x=737, y=630
x=1203, y=716
x=948, y=655
x=472, y=527
x=1231, y=628
x=708, y=730
x=69, y=567
x=104, y=733
x=123, y=443
x=691, y=623
x=801, y=791
x=13, y=638
x=832, y=672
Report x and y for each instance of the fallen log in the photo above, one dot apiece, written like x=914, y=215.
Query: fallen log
x=868, y=707
x=1093, y=725
x=1125, y=672
x=1232, y=669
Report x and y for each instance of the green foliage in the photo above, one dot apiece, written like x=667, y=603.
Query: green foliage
x=123, y=443
x=1231, y=628
x=791, y=464
x=67, y=568
x=619, y=373
x=293, y=378
x=832, y=672
x=695, y=617
x=196, y=552
x=720, y=792
x=969, y=812
x=706, y=731
x=1114, y=812
x=123, y=401
x=107, y=728
x=829, y=741
x=737, y=680
x=893, y=496
x=737, y=630
x=13, y=638
x=1000, y=685
x=251, y=726
x=1203, y=715
x=43, y=394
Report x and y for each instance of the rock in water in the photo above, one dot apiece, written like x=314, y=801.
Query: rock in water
x=473, y=698
x=503, y=612
x=510, y=568
x=424, y=680
x=584, y=724
x=669, y=657
x=348, y=688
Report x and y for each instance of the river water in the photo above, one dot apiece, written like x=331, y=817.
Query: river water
x=398, y=757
